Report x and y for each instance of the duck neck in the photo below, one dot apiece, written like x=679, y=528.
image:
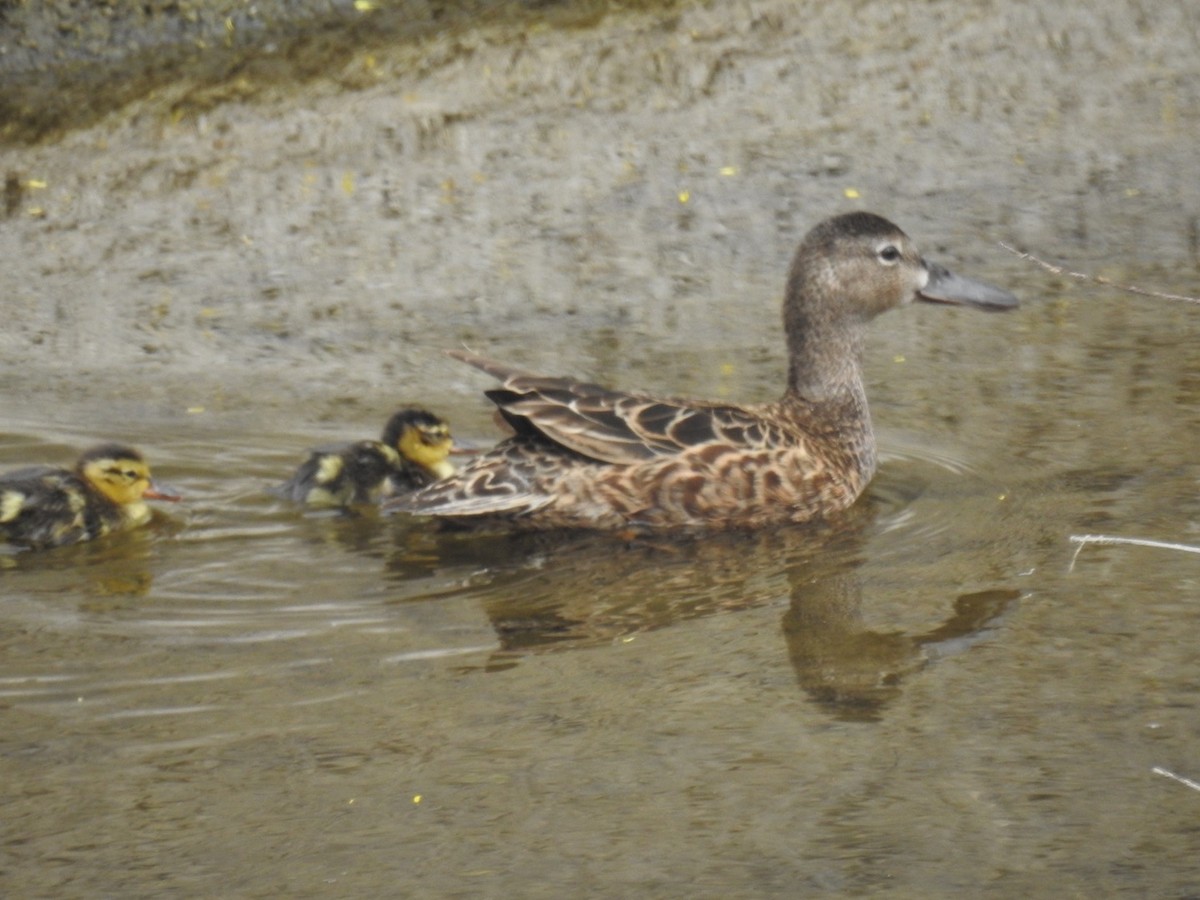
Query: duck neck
x=825, y=392
x=825, y=362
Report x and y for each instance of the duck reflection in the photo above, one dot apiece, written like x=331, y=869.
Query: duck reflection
x=545, y=594
x=103, y=572
x=854, y=671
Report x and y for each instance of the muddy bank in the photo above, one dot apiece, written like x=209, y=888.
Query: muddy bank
x=596, y=198
x=64, y=65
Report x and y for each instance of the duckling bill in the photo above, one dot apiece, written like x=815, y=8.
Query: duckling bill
x=413, y=452
x=45, y=507
x=584, y=456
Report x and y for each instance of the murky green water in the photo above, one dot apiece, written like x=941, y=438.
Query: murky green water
x=934, y=696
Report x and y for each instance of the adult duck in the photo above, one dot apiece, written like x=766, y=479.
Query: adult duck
x=584, y=456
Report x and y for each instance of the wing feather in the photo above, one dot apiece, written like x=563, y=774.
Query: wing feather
x=613, y=426
x=501, y=482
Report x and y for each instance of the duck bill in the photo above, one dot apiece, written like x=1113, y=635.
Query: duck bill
x=946, y=287
x=161, y=492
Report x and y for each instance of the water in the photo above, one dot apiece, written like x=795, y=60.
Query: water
x=937, y=694
x=929, y=692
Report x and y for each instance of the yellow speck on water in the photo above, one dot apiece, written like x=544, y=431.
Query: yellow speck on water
x=350, y=802
x=229, y=25
x=1170, y=109
x=35, y=184
x=364, y=5
x=369, y=62
x=685, y=196
x=726, y=368
x=348, y=183
x=416, y=798
x=851, y=193
x=195, y=410
x=1131, y=192
x=1002, y=497
x=729, y=171
x=898, y=358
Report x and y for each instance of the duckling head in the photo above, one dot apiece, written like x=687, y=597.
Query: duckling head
x=121, y=474
x=421, y=438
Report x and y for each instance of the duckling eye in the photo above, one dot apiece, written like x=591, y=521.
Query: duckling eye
x=889, y=254
x=431, y=435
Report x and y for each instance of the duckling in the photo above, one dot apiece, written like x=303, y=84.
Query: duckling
x=43, y=507
x=585, y=456
x=412, y=453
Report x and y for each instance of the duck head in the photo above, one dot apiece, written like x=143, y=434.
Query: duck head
x=423, y=439
x=858, y=265
x=120, y=473
x=847, y=270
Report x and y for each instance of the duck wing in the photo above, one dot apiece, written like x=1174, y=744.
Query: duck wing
x=613, y=426
x=507, y=480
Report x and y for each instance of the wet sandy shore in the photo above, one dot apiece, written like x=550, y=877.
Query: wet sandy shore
x=572, y=187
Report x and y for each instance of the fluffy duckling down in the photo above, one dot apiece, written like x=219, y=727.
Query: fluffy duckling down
x=412, y=453
x=43, y=507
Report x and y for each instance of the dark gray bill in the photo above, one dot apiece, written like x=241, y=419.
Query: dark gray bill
x=946, y=287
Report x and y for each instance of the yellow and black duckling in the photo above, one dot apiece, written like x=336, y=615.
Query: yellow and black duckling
x=412, y=453
x=44, y=507
x=584, y=456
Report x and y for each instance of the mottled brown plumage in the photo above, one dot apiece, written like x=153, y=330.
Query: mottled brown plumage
x=584, y=456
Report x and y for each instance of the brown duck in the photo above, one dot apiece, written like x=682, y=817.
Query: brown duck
x=584, y=456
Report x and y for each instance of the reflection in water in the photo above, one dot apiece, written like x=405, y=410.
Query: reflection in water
x=543, y=593
x=115, y=565
x=853, y=671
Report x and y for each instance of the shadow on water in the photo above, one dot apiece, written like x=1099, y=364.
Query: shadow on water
x=546, y=594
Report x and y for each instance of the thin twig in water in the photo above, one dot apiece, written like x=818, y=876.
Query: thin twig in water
x=1083, y=539
x=1159, y=770
x=1098, y=279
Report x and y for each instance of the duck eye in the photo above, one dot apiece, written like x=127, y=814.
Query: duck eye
x=889, y=254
